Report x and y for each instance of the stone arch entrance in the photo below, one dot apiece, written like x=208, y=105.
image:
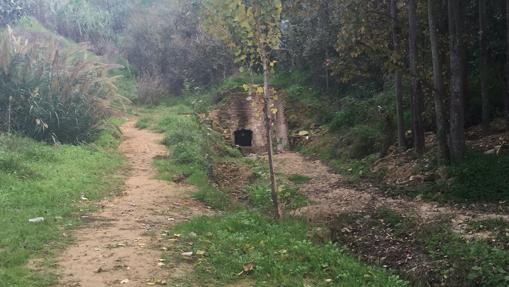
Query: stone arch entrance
x=243, y=138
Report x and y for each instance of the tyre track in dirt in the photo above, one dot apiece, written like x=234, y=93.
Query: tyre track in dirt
x=122, y=243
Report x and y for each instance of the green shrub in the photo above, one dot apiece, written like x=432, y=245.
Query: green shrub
x=481, y=177
x=299, y=179
x=185, y=153
x=468, y=263
x=54, y=94
x=143, y=123
x=259, y=196
x=364, y=141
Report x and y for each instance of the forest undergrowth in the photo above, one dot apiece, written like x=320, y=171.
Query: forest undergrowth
x=242, y=241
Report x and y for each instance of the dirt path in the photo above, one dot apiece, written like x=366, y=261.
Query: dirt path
x=122, y=243
x=330, y=195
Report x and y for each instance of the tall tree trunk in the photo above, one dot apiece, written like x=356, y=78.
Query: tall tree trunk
x=457, y=101
x=326, y=69
x=439, y=87
x=325, y=22
x=417, y=100
x=483, y=66
x=397, y=77
x=506, y=96
x=268, y=127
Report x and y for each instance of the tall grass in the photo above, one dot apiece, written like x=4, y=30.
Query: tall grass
x=53, y=93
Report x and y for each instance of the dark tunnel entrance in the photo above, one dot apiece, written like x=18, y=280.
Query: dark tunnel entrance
x=244, y=138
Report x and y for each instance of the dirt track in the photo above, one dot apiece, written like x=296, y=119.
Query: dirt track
x=330, y=195
x=122, y=243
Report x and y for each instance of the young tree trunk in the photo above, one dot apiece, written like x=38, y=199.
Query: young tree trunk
x=397, y=77
x=457, y=101
x=417, y=100
x=9, y=116
x=439, y=87
x=268, y=127
x=506, y=96
x=483, y=66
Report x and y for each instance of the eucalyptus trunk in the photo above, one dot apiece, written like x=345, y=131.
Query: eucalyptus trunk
x=438, y=86
x=417, y=98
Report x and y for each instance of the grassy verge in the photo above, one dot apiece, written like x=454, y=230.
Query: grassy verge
x=241, y=244
x=248, y=245
x=39, y=180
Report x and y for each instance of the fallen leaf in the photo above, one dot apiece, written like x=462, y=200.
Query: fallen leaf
x=247, y=268
x=200, y=253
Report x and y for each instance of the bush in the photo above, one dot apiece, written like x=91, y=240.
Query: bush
x=151, y=90
x=481, y=177
x=185, y=153
x=54, y=94
x=364, y=141
x=468, y=263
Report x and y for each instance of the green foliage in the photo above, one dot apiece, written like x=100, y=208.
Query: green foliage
x=281, y=253
x=259, y=197
x=143, y=123
x=250, y=28
x=468, y=264
x=481, y=177
x=363, y=141
x=54, y=94
x=166, y=44
x=188, y=154
x=82, y=21
x=39, y=180
x=457, y=261
x=110, y=135
x=11, y=11
x=389, y=216
x=299, y=179
x=304, y=99
x=193, y=149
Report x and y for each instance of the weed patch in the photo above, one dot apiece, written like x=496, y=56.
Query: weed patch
x=299, y=179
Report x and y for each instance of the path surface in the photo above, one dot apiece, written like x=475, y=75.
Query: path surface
x=122, y=243
x=330, y=195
